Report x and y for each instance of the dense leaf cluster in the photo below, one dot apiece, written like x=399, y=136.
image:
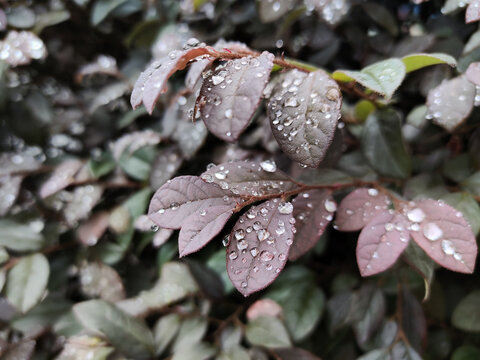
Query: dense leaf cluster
x=275, y=179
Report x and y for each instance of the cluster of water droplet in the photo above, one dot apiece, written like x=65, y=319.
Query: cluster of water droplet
x=18, y=48
x=247, y=177
x=332, y=11
x=373, y=205
x=308, y=206
x=256, y=238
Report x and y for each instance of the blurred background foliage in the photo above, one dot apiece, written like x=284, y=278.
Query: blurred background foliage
x=85, y=276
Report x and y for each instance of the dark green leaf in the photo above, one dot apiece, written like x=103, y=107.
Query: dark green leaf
x=267, y=331
x=466, y=315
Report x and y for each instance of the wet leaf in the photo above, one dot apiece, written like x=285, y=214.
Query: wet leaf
x=383, y=77
x=448, y=110
x=415, y=62
x=81, y=201
x=9, y=189
x=127, y=334
x=331, y=11
x=359, y=207
x=381, y=242
x=472, y=184
x=272, y=10
x=27, y=281
x=466, y=315
x=249, y=177
x=103, y=64
x=305, y=128
x=153, y=81
x=62, y=176
x=20, y=48
x=444, y=234
x=267, y=331
x=313, y=210
x=258, y=245
x=383, y=144
x=199, y=208
x=167, y=163
x=468, y=206
x=21, y=237
x=231, y=93
x=473, y=11
x=100, y=280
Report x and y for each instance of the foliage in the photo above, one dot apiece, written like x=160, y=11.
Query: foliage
x=320, y=159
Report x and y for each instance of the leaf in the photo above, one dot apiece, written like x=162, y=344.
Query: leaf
x=62, y=176
x=191, y=332
x=137, y=164
x=373, y=314
x=381, y=242
x=127, y=334
x=199, y=208
x=302, y=301
x=231, y=93
x=264, y=307
x=81, y=201
x=98, y=279
x=359, y=207
x=9, y=190
x=383, y=144
x=92, y=230
x=313, y=210
x=404, y=351
x=165, y=331
x=473, y=73
x=295, y=354
x=450, y=111
x=208, y=280
x=473, y=12
x=466, y=315
x=200, y=351
x=267, y=331
x=83, y=347
x=258, y=245
x=152, y=82
x=249, y=177
x=102, y=165
x=269, y=11
x=468, y=206
x=415, y=62
x=102, y=8
x=472, y=184
x=383, y=77
x=21, y=237
x=304, y=129
x=27, y=281
x=466, y=352
x=422, y=264
x=413, y=320
x=174, y=284
x=382, y=16
x=444, y=234
x=167, y=163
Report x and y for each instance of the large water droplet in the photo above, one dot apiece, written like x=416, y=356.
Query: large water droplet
x=207, y=178
x=220, y=175
x=447, y=247
x=291, y=102
x=233, y=255
x=330, y=205
x=285, y=208
x=242, y=245
x=174, y=206
x=257, y=225
x=268, y=166
x=239, y=234
x=372, y=192
x=262, y=234
x=266, y=255
x=432, y=231
x=416, y=215
x=389, y=226
x=216, y=79
x=254, y=251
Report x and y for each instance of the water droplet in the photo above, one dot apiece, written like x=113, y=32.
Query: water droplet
x=276, y=6
x=432, y=231
x=174, y=206
x=251, y=213
x=239, y=234
x=415, y=227
x=389, y=226
x=220, y=175
x=291, y=102
x=282, y=257
x=228, y=113
x=457, y=256
x=243, y=284
x=262, y=234
x=266, y=255
x=242, y=244
x=372, y=192
x=257, y=225
x=154, y=227
x=254, y=251
x=416, y=215
x=161, y=211
x=203, y=212
x=216, y=79
x=268, y=166
x=375, y=255
x=333, y=94
x=225, y=240
x=447, y=247
x=285, y=208
x=330, y=205
x=280, y=230
x=233, y=255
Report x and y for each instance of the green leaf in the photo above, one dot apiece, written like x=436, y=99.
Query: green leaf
x=362, y=109
x=267, y=331
x=198, y=351
x=165, y=330
x=191, y=332
x=102, y=8
x=301, y=300
x=49, y=19
x=466, y=315
x=422, y=263
x=468, y=206
x=127, y=334
x=383, y=145
x=138, y=164
x=383, y=77
x=457, y=168
x=472, y=184
x=418, y=61
x=19, y=237
x=27, y=281
x=102, y=165
x=466, y=352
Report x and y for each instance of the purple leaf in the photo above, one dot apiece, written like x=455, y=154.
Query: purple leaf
x=249, y=178
x=360, y=207
x=231, y=93
x=443, y=233
x=473, y=11
x=313, y=210
x=304, y=111
x=152, y=82
x=473, y=73
x=203, y=225
x=258, y=245
x=166, y=164
x=92, y=230
x=381, y=242
x=63, y=176
x=183, y=196
x=447, y=110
